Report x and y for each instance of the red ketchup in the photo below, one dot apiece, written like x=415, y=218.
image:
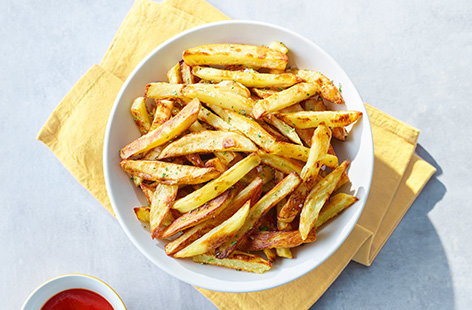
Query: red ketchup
x=77, y=299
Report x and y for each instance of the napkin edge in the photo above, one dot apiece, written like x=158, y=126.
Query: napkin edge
x=386, y=121
x=398, y=218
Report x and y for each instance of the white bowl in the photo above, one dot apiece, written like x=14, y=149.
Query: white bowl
x=69, y=281
x=121, y=130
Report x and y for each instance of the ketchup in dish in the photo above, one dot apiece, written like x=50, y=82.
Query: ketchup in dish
x=77, y=299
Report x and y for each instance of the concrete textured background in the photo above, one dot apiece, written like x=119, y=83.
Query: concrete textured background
x=411, y=59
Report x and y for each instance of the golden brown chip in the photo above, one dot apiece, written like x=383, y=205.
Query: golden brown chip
x=167, y=131
x=168, y=173
x=238, y=260
x=235, y=54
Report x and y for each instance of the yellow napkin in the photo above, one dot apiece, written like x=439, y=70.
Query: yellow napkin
x=147, y=25
x=398, y=178
x=76, y=129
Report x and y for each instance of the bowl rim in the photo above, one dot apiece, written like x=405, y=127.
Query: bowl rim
x=106, y=164
x=66, y=276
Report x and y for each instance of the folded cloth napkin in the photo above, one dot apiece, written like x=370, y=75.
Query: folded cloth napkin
x=399, y=174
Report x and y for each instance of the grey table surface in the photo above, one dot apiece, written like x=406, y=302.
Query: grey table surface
x=411, y=59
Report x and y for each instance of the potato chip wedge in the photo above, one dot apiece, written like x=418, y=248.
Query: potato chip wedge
x=300, y=152
x=165, y=132
x=208, y=141
x=278, y=46
x=262, y=240
x=168, y=173
x=335, y=205
x=162, y=90
x=194, y=217
x=136, y=180
x=235, y=54
x=153, y=153
x=218, y=95
x=217, y=236
x=212, y=119
x=264, y=172
x=290, y=150
x=279, y=225
x=280, y=163
x=187, y=75
x=173, y=75
x=317, y=198
x=285, y=98
x=305, y=134
x=148, y=191
x=251, y=192
x=294, y=204
x=247, y=126
x=314, y=104
x=162, y=113
x=235, y=87
x=327, y=89
x=142, y=213
x=310, y=119
x=319, y=149
x=247, y=78
x=163, y=198
x=266, y=92
x=339, y=133
x=140, y=115
x=218, y=185
x=225, y=157
x=187, y=238
x=284, y=252
x=272, y=131
x=238, y=260
x=330, y=161
x=282, y=189
x=195, y=160
x=344, y=180
x=284, y=128
x=239, y=94
x=217, y=164
x=270, y=254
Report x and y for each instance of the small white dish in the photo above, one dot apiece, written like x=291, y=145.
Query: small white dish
x=48, y=289
x=121, y=130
